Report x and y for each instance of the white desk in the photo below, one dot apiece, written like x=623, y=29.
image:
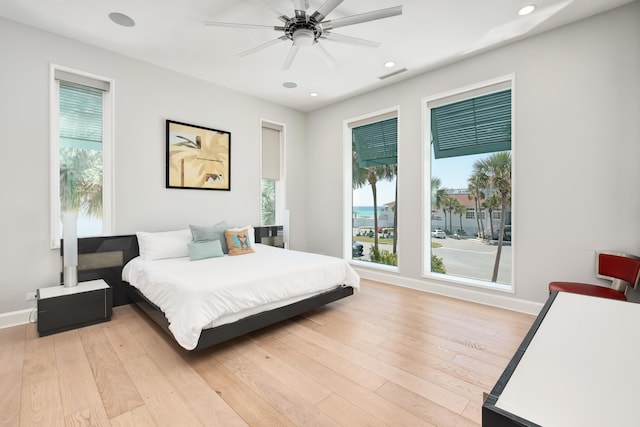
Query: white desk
x=576, y=369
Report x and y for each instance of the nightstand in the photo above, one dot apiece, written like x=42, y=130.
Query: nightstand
x=272, y=235
x=61, y=309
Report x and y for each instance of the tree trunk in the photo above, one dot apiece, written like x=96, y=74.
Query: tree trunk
x=494, y=277
x=475, y=199
x=374, y=190
x=395, y=221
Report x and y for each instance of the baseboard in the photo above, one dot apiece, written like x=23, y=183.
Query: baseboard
x=466, y=294
x=16, y=318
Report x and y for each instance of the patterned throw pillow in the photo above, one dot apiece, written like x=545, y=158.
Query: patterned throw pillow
x=238, y=242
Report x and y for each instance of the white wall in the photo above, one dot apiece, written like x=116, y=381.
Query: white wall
x=576, y=153
x=145, y=97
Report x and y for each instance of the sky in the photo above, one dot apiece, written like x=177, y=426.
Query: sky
x=453, y=173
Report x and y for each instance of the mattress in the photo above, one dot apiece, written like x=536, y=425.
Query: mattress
x=195, y=295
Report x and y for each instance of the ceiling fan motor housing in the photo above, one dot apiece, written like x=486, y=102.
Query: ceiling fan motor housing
x=303, y=30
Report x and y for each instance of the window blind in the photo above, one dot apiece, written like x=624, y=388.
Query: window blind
x=472, y=126
x=80, y=116
x=376, y=144
x=270, y=153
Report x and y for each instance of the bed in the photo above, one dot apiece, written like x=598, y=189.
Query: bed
x=208, y=301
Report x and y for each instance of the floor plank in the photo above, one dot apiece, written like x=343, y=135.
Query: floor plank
x=117, y=391
x=41, y=404
x=162, y=400
x=385, y=356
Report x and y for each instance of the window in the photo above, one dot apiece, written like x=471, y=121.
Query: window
x=374, y=160
x=81, y=152
x=470, y=175
x=271, y=185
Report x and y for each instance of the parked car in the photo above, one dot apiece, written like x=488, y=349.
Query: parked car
x=507, y=234
x=438, y=234
x=357, y=249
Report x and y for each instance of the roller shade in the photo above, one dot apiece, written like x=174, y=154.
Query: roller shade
x=376, y=143
x=270, y=153
x=477, y=125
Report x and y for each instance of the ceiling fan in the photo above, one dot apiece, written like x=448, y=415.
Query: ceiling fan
x=307, y=30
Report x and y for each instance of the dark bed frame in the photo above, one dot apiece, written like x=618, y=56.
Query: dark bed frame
x=104, y=258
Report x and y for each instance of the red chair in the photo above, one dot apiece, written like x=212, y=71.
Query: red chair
x=623, y=270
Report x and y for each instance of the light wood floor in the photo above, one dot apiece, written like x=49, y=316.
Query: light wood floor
x=385, y=356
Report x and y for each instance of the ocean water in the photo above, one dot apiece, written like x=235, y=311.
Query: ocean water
x=365, y=211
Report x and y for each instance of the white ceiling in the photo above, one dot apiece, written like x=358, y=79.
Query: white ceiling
x=171, y=34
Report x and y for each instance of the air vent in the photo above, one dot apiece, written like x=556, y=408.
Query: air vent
x=386, y=76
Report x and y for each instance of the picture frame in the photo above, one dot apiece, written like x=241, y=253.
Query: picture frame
x=198, y=158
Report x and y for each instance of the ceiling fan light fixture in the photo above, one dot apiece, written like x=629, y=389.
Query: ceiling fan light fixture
x=303, y=37
x=525, y=10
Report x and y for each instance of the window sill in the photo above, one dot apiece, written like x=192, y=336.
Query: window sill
x=373, y=265
x=474, y=283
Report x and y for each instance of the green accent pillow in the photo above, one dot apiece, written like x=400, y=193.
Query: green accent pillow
x=204, y=250
x=207, y=234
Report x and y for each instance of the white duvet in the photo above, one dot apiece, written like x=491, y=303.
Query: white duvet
x=210, y=292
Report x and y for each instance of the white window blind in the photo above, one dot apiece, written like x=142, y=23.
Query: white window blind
x=270, y=153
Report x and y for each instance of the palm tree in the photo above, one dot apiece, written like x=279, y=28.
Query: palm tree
x=268, y=201
x=438, y=195
x=477, y=184
x=369, y=175
x=389, y=172
x=450, y=204
x=461, y=210
x=81, y=181
x=497, y=170
x=491, y=204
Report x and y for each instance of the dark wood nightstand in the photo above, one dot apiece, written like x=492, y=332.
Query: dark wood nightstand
x=272, y=235
x=61, y=309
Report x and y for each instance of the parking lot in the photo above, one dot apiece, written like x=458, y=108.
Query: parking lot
x=472, y=258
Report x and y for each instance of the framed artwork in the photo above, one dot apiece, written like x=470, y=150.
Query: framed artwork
x=198, y=157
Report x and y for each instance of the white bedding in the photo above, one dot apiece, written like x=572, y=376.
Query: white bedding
x=210, y=292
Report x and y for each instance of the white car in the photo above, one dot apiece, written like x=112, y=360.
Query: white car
x=438, y=234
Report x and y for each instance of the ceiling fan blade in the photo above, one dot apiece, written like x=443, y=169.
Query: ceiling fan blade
x=325, y=9
x=341, y=38
x=300, y=8
x=362, y=17
x=236, y=25
x=325, y=55
x=290, y=56
x=262, y=46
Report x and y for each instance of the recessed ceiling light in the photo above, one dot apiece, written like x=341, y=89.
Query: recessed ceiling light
x=290, y=85
x=313, y=93
x=525, y=10
x=389, y=64
x=122, y=19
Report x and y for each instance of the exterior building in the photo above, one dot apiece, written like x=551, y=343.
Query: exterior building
x=385, y=217
x=470, y=221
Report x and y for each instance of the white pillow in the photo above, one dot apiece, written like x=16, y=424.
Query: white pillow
x=251, y=231
x=162, y=245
